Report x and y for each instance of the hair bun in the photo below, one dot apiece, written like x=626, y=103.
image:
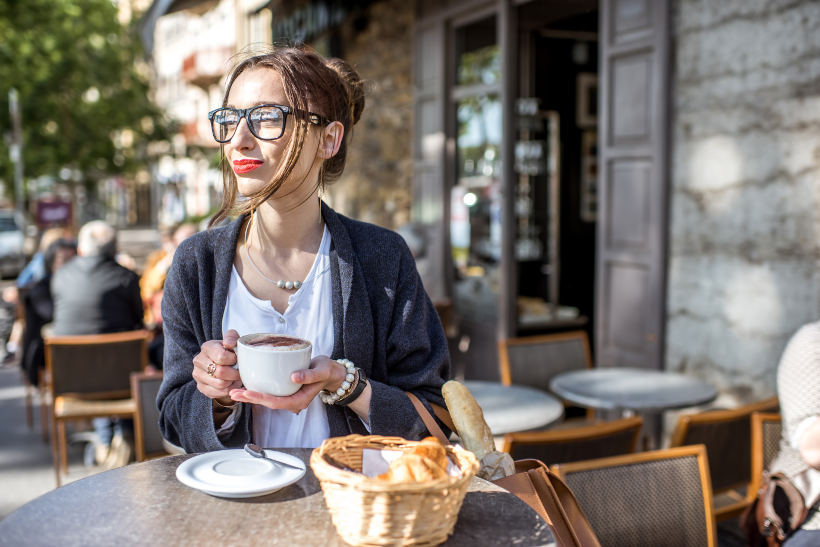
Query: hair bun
x=353, y=85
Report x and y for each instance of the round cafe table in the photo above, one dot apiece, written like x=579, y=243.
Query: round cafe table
x=145, y=504
x=632, y=389
x=508, y=409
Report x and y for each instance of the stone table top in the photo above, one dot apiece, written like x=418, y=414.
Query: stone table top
x=144, y=504
x=508, y=409
x=636, y=389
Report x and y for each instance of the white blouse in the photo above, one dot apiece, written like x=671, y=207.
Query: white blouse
x=309, y=315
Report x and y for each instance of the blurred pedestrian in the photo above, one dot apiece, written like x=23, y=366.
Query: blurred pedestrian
x=39, y=308
x=93, y=294
x=32, y=272
x=36, y=268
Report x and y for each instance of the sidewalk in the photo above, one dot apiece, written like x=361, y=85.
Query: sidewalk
x=26, y=469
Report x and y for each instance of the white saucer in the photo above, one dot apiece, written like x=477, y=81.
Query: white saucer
x=234, y=473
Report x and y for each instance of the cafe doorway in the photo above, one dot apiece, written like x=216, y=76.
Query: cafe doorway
x=542, y=213
x=548, y=267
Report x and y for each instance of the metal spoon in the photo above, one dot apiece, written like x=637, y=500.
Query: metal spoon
x=255, y=451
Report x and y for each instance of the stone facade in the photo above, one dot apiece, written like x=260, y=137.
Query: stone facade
x=377, y=184
x=744, y=240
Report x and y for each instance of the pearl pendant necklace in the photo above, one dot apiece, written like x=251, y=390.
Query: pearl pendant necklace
x=281, y=283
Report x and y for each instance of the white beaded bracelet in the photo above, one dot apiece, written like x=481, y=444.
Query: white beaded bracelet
x=346, y=387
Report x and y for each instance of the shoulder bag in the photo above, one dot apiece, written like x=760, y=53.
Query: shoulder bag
x=534, y=484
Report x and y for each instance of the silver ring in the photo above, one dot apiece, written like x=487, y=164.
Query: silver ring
x=211, y=369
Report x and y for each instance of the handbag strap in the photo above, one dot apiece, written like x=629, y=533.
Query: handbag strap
x=428, y=419
x=575, y=516
x=551, y=498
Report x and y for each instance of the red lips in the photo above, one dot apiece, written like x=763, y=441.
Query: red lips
x=245, y=165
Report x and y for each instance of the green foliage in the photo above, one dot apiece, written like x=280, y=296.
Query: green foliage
x=76, y=69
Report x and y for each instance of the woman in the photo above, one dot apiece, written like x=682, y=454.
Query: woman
x=798, y=390
x=289, y=264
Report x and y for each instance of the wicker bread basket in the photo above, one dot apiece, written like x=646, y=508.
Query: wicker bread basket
x=369, y=511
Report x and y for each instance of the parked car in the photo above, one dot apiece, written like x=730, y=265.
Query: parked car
x=12, y=256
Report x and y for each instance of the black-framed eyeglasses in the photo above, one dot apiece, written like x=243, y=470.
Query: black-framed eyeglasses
x=266, y=121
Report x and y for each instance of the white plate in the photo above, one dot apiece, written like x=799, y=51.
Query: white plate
x=234, y=473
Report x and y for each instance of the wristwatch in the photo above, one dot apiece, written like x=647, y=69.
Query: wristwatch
x=360, y=385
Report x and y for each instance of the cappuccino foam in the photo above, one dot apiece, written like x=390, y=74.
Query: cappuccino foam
x=275, y=341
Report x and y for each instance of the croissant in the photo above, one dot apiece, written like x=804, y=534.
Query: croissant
x=432, y=448
x=424, y=461
x=412, y=468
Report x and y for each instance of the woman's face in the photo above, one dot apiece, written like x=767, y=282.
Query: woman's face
x=255, y=161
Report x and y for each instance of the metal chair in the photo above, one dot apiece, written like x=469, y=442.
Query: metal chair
x=727, y=437
x=659, y=498
x=766, y=433
x=89, y=377
x=553, y=446
x=535, y=360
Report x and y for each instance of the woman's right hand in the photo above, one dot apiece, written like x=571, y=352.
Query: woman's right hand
x=218, y=357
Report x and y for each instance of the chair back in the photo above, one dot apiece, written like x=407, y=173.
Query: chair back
x=97, y=365
x=766, y=433
x=659, y=498
x=727, y=437
x=534, y=360
x=553, y=446
x=147, y=436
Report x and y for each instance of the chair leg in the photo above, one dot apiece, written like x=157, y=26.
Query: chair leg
x=42, y=389
x=63, y=447
x=55, y=451
x=44, y=413
x=27, y=387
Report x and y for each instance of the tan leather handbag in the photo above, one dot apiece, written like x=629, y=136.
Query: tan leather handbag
x=534, y=484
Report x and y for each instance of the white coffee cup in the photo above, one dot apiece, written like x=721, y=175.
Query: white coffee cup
x=266, y=361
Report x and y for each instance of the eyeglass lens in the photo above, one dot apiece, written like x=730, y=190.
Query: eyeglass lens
x=266, y=122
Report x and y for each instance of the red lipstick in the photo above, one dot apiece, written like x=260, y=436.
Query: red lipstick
x=245, y=165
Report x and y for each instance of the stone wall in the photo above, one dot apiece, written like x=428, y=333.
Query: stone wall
x=376, y=186
x=745, y=188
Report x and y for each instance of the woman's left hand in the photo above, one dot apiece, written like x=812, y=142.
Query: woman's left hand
x=324, y=373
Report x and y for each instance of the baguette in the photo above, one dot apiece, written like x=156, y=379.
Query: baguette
x=468, y=419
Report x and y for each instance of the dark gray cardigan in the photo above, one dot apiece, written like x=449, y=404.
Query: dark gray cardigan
x=383, y=321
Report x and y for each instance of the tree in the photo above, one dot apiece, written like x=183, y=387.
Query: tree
x=84, y=100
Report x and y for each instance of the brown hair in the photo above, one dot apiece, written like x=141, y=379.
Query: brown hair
x=329, y=87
